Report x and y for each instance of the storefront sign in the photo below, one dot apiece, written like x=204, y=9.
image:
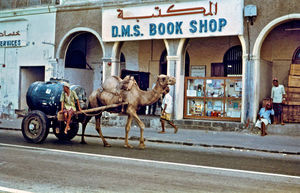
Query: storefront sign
x=13, y=34
x=179, y=20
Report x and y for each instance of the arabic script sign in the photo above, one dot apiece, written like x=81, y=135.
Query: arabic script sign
x=13, y=34
x=179, y=20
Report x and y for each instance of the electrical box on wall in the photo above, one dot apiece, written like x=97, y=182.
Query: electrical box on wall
x=250, y=11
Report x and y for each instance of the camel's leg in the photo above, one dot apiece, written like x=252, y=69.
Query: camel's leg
x=142, y=127
x=98, y=129
x=127, y=129
x=84, y=124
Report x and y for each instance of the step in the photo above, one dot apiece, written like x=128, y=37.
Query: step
x=154, y=122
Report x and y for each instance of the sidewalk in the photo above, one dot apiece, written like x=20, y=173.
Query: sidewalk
x=219, y=139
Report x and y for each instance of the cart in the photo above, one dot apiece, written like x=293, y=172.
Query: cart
x=43, y=100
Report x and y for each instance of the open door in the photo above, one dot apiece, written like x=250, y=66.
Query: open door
x=28, y=75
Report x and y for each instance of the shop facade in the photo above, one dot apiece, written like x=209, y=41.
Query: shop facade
x=26, y=53
x=222, y=54
x=233, y=68
x=195, y=38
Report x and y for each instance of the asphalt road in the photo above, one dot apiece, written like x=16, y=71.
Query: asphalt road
x=56, y=166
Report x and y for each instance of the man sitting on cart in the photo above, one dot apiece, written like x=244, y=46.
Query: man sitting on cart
x=67, y=99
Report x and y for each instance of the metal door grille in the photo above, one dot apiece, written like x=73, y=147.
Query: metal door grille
x=233, y=61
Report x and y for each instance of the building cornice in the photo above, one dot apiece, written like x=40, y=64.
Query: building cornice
x=27, y=11
x=94, y=4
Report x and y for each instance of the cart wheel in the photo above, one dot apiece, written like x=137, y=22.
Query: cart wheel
x=35, y=127
x=61, y=126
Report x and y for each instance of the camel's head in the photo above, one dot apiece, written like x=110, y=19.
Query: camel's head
x=165, y=80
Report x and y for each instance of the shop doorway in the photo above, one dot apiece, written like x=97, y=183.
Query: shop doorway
x=28, y=75
x=163, y=63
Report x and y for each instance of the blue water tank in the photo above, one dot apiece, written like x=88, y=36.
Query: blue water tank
x=45, y=96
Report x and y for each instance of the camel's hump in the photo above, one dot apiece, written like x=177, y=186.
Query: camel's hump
x=111, y=83
x=115, y=84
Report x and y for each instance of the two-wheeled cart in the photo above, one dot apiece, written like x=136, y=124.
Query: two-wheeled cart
x=43, y=100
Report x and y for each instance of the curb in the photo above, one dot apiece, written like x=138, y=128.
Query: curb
x=135, y=138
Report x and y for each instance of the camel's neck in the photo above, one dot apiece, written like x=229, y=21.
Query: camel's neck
x=151, y=96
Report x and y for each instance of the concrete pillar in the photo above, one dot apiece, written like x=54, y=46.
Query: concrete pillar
x=98, y=73
x=115, y=67
x=106, y=66
x=248, y=92
x=175, y=66
x=60, y=69
x=177, y=92
x=107, y=60
x=50, y=69
x=111, y=59
x=256, y=87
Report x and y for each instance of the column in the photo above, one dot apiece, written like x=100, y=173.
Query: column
x=106, y=68
x=176, y=68
x=115, y=67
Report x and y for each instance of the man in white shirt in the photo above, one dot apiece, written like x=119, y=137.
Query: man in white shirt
x=264, y=118
x=278, y=96
x=166, y=111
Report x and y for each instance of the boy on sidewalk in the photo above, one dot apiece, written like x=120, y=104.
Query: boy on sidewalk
x=166, y=111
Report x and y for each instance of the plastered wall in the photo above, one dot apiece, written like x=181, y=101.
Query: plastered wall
x=37, y=52
x=265, y=79
x=149, y=57
x=68, y=19
x=204, y=51
x=131, y=52
x=278, y=48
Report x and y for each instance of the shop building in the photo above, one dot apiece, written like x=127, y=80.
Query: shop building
x=27, y=35
x=222, y=53
x=128, y=39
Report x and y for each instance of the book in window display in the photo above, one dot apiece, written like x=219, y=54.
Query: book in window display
x=195, y=107
x=195, y=88
x=214, y=88
x=233, y=108
x=214, y=108
x=234, y=88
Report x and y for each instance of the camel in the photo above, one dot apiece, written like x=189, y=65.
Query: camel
x=115, y=90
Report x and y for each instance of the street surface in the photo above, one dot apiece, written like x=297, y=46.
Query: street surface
x=56, y=166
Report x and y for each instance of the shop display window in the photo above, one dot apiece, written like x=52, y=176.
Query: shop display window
x=213, y=98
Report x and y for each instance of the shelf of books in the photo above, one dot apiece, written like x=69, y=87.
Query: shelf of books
x=213, y=98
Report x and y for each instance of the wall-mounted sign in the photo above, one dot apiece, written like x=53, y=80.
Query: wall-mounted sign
x=178, y=20
x=13, y=34
x=198, y=71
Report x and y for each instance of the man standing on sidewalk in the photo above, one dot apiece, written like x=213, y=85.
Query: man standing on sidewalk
x=166, y=111
x=278, y=96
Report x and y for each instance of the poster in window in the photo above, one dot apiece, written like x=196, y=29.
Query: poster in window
x=198, y=71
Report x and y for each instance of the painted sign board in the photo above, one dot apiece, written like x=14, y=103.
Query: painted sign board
x=13, y=34
x=192, y=19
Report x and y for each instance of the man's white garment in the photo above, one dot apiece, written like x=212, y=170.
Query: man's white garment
x=167, y=100
x=258, y=122
x=277, y=93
